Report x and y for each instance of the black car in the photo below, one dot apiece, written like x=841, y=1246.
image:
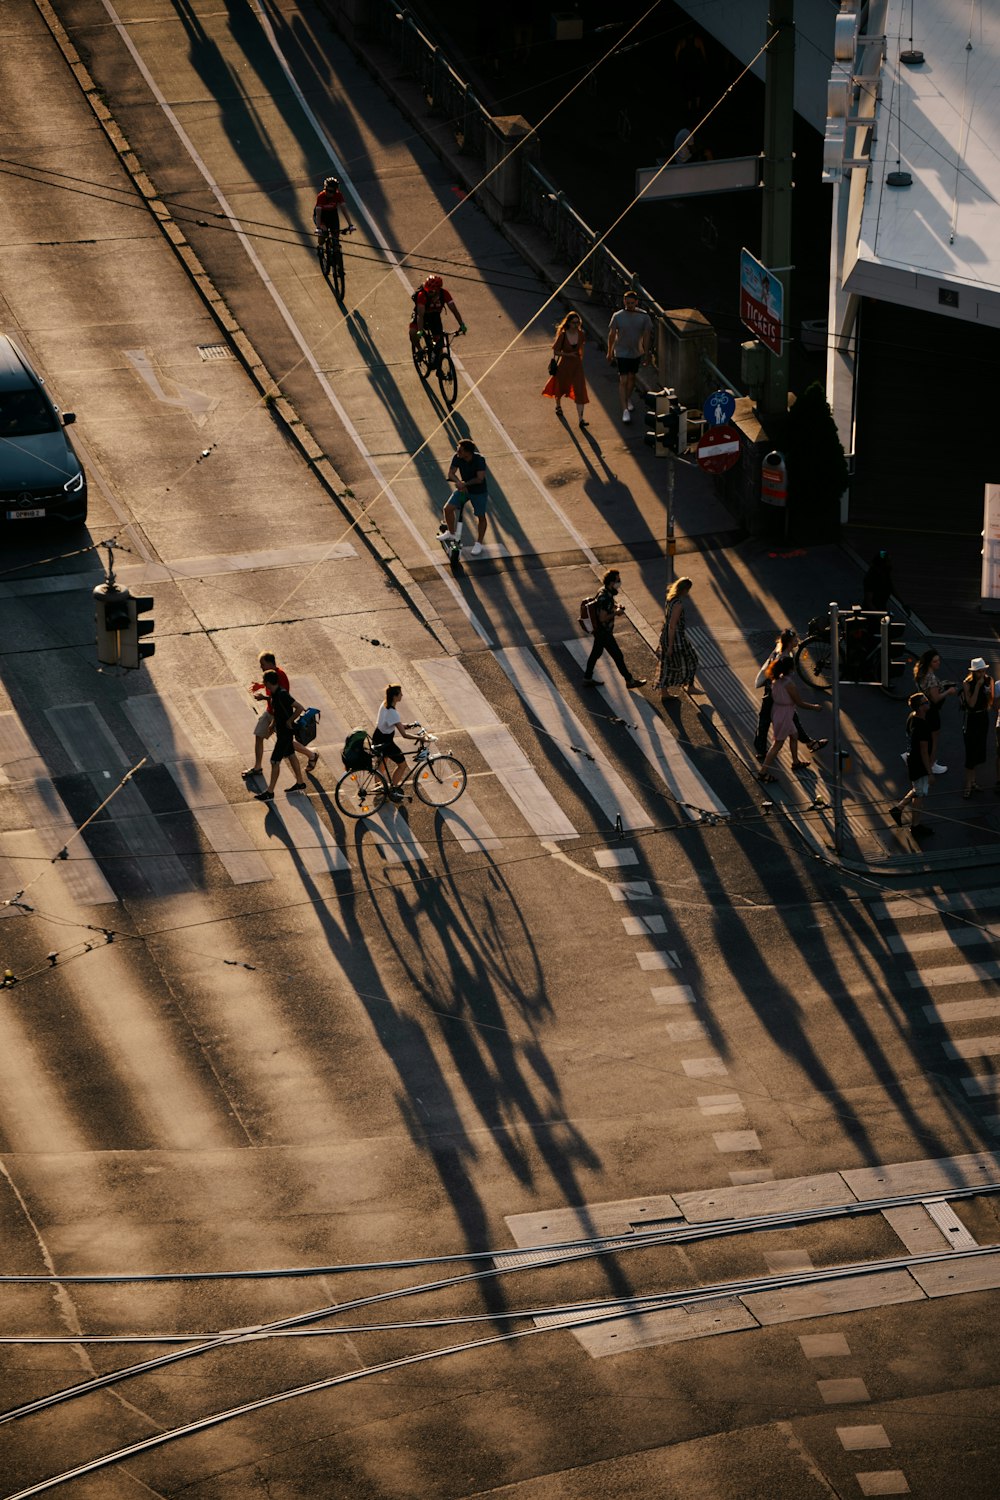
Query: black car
x=41, y=477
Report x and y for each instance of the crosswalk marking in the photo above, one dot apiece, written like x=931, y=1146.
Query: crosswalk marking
x=567, y=735
x=682, y=779
x=465, y=821
x=972, y=902
x=973, y=1046
x=631, y=890
x=963, y=1010
x=953, y=974
x=159, y=727
x=51, y=827
x=943, y=937
x=93, y=749
x=639, y=926
x=985, y=1084
x=470, y=711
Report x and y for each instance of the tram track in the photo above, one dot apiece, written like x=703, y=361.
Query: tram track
x=570, y=1314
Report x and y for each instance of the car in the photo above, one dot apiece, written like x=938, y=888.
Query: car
x=41, y=476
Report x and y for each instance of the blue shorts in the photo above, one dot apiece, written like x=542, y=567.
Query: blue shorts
x=921, y=785
x=478, y=502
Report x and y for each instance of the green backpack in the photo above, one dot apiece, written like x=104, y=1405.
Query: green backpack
x=356, y=754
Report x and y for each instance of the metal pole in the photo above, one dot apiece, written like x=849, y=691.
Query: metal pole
x=671, y=539
x=838, y=780
x=776, y=218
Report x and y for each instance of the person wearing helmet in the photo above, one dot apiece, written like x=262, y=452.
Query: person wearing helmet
x=428, y=305
x=329, y=206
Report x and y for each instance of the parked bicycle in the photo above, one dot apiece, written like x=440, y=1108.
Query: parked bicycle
x=860, y=653
x=438, y=778
x=331, y=258
x=432, y=352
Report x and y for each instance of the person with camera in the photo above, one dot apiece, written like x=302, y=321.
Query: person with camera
x=925, y=675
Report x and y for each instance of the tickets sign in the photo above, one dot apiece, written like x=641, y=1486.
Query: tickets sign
x=762, y=301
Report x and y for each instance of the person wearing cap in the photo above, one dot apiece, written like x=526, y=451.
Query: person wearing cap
x=976, y=701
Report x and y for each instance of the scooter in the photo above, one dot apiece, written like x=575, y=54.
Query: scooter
x=453, y=544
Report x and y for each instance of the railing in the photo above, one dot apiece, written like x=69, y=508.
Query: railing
x=447, y=95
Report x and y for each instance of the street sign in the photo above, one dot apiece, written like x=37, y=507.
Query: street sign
x=762, y=301
x=719, y=408
x=696, y=178
x=719, y=449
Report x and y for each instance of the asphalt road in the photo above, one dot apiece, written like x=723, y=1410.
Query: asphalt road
x=249, y=1040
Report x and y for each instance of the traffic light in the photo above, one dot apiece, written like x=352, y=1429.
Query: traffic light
x=133, y=647
x=666, y=423
x=894, y=652
x=118, y=627
x=858, y=644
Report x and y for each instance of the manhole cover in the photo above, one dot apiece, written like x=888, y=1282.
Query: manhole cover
x=215, y=351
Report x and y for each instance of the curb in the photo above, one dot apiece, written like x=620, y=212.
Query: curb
x=294, y=428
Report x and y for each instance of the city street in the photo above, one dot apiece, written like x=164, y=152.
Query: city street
x=363, y=1139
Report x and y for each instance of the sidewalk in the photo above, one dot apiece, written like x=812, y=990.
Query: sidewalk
x=743, y=594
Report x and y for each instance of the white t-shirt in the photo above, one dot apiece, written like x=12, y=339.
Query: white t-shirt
x=388, y=720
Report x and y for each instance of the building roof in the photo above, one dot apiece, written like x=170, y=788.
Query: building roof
x=936, y=243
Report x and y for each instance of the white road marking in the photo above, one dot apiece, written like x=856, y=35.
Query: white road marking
x=860, y=1439
x=639, y=926
x=944, y=937
x=686, y=1031
x=736, y=1140
x=609, y=858
x=674, y=766
x=953, y=974
x=982, y=1009
x=704, y=1067
x=631, y=890
x=972, y=902
x=656, y=960
x=567, y=734
x=721, y=1104
x=199, y=405
x=674, y=994
x=972, y=1046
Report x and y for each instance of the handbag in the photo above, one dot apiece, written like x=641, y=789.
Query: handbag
x=553, y=366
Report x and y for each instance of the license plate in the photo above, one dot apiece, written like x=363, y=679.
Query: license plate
x=25, y=515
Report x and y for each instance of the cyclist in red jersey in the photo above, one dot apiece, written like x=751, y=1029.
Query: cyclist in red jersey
x=329, y=206
x=428, y=305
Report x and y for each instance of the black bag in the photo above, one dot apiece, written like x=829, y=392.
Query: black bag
x=356, y=754
x=553, y=366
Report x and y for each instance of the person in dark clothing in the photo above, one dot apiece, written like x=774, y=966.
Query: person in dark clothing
x=606, y=609
x=918, y=763
x=284, y=708
x=877, y=585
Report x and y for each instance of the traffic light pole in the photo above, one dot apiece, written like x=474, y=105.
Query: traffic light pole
x=776, y=224
x=671, y=539
x=838, y=754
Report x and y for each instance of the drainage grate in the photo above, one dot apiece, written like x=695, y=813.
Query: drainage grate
x=215, y=351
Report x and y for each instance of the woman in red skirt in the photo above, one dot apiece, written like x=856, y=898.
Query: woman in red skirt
x=567, y=349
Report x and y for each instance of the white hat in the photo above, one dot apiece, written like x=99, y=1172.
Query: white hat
x=977, y=664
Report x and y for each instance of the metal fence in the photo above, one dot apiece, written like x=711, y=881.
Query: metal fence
x=447, y=95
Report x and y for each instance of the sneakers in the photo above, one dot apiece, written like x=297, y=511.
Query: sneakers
x=264, y=796
x=252, y=771
x=634, y=682
x=630, y=406
x=298, y=786
x=896, y=814
x=592, y=682
x=937, y=769
x=446, y=536
x=627, y=414
x=920, y=828
x=476, y=549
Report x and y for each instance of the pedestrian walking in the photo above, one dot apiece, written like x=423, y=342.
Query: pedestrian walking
x=976, y=701
x=677, y=656
x=877, y=584
x=468, y=474
x=630, y=342
x=785, y=645
x=605, y=611
x=925, y=676
x=567, y=379
x=785, y=699
x=264, y=727
x=284, y=709
x=919, y=760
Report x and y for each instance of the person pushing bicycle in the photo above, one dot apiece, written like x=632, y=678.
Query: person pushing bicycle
x=468, y=475
x=328, y=208
x=429, y=303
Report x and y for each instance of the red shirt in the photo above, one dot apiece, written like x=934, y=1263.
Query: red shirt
x=328, y=205
x=433, y=301
x=282, y=682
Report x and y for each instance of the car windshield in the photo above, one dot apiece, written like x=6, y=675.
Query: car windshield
x=25, y=413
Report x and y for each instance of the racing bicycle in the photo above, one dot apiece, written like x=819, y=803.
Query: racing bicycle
x=433, y=352
x=438, y=779
x=331, y=258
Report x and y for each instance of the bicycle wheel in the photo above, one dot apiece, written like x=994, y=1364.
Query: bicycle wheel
x=447, y=378
x=360, y=793
x=323, y=251
x=337, y=273
x=814, y=663
x=421, y=357
x=440, y=780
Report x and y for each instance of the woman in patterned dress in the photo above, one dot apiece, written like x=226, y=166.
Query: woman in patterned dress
x=678, y=658
x=569, y=380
